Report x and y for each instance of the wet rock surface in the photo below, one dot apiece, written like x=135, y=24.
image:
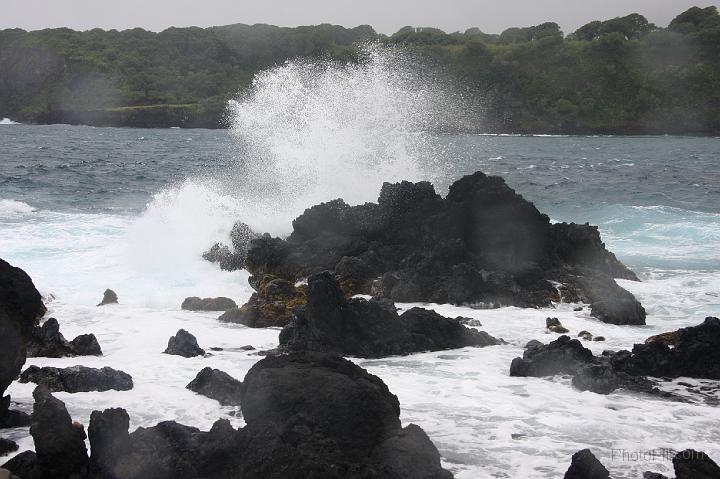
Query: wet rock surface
x=232, y=258
x=414, y=246
x=184, y=344
x=21, y=307
x=696, y=354
x=307, y=414
x=217, y=385
x=270, y=306
x=7, y=446
x=586, y=466
x=194, y=303
x=47, y=341
x=370, y=328
x=78, y=379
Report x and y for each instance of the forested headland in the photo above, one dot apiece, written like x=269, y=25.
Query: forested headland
x=618, y=76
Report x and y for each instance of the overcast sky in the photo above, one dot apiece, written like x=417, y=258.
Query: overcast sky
x=387, y=16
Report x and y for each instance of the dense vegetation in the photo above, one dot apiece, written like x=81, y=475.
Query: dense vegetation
x=623, y=75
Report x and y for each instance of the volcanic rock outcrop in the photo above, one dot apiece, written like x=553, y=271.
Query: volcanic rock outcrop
x=231, y=258
x=21, y=307
x=271, y=305
x=307, y=415
x=370, y=328
x=482, y=244
x=78, y=378
x=47, y=341
x=696, y=354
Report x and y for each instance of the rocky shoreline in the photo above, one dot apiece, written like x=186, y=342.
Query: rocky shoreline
x=308, y=411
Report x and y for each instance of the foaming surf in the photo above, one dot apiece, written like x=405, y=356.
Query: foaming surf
x=8, y=121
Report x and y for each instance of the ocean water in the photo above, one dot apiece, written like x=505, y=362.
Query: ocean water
x=83, y=209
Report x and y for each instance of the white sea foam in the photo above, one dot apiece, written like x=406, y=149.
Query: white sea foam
x=8, y=121
x=13, y=209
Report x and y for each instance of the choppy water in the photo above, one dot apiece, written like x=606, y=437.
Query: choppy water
x=83, y=209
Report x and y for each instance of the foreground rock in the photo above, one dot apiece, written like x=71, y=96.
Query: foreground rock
x=109, y=297
x=586, y=466
x=78, y=379
x=194, y=303
x=370, y=329
x=688, y=464
x=21, y=307
x=271, y=305
x=47, y=341
x=184, y=344
x=217, y=385
x=696, y=353
x=307, y=415
x=482, y=244
x=59, y=443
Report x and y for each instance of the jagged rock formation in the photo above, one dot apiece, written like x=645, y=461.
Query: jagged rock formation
x=47, y=341
x=21, y=307
x=586, y=466
x=231, y=258
x=696, y=354
x=483, y=243
x=307, y=415
x=357, y=327
x=78, y=378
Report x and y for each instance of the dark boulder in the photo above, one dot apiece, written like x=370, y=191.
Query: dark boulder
x=109, y=438
x=109, y=297
x=21, y=307
x=481, y=245
x=586, y=466
x=271, y=306
x=562, y=356
x=47, y=341
x=194, y=303
x=410, y=453
x=11, y=417
x=7, y=446
x=86, y=345
x=696, y=353
x=217, y=385
x=357, y=327
x=554, y=325
x=78, y=379
x=184, y=344
x=691, y=464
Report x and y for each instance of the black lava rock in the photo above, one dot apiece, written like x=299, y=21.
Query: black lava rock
x=184, y=344
x=78, y=379
x=221, y=303
x=109, y=297
x=357, y=327
x=217, y=385
x=586, y=466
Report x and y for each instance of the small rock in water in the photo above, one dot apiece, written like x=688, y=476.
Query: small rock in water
x=553, y=324
x=221, y=303
x=109, y=297
x=586, y=335
x=579, y=308
x=184, y=344
x=599, y=338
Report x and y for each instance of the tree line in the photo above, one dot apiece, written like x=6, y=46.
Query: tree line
x=622, y=75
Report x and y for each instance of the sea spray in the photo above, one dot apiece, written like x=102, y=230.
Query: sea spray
x=311, y=131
